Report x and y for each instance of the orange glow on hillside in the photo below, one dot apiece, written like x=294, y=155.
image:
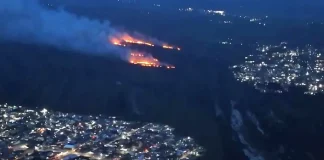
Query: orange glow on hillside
x=147, y=60
x=125, y=38
x=138, y=58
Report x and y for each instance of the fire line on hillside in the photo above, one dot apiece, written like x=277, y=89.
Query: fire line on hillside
x=147, y=60
x=142, y=59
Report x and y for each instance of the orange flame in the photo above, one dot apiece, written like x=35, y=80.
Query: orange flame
x=147, y=60
x=122, y=40
x=138, y=58
x=125, y=38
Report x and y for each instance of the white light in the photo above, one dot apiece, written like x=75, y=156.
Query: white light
x=220, y=12
x=44, y=111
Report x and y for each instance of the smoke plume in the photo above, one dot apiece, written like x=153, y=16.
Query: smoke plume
x=28, y=22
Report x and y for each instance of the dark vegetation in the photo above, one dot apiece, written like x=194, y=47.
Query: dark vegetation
x=40, y=76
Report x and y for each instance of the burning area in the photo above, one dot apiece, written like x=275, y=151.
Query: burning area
x=22, y=20
x=124, y=39
x=147, y=60
x=143, y=59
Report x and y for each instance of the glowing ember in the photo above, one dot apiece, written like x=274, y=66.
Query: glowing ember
x=147, y=60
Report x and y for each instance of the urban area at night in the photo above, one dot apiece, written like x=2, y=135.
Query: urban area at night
x=53, y=135
x=278, y=64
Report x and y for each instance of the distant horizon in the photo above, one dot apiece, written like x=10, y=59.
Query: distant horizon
x=277, y=8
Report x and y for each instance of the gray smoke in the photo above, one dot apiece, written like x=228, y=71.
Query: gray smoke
x=28, y=22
